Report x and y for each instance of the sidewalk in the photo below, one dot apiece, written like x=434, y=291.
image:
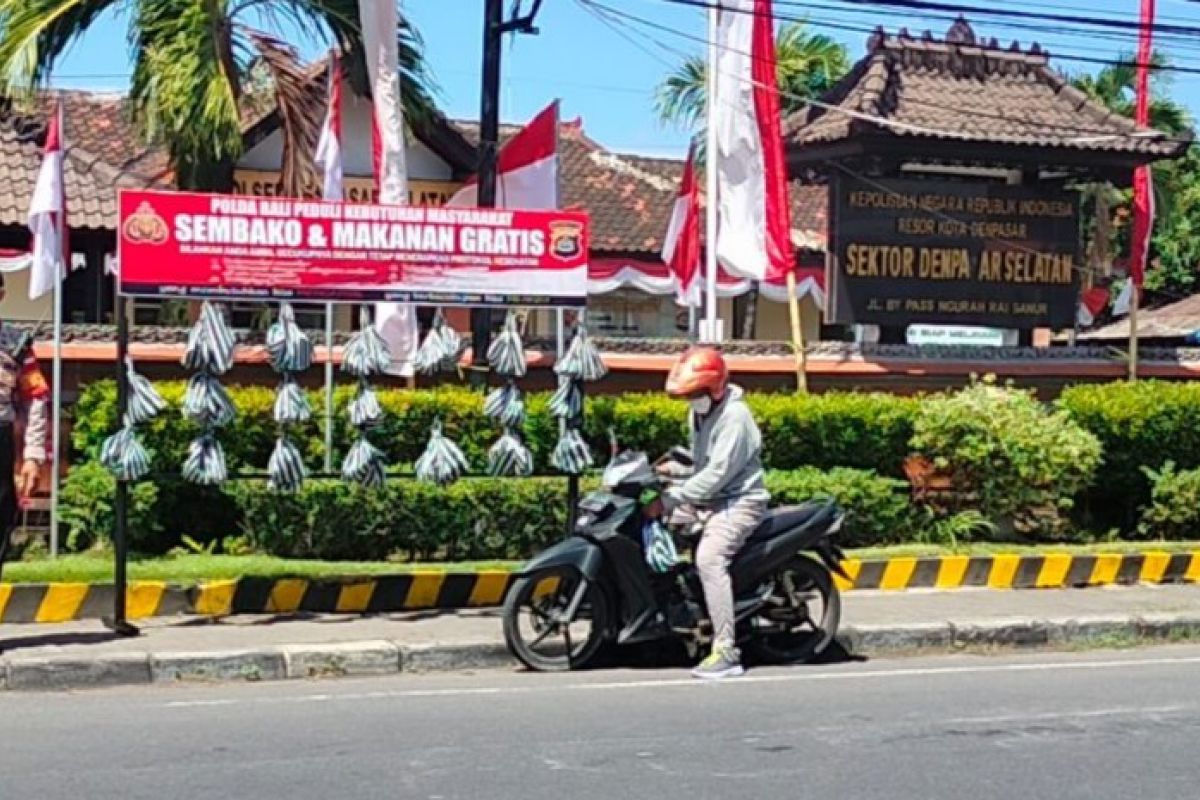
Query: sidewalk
x=84, y=654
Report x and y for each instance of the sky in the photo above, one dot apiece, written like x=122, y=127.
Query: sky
x=606, y=74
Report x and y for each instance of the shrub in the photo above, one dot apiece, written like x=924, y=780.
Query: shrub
x=868, y=431
x=1008, y=456
x=878, y=510
x=86, y=510
x=473, y=519
x=1174, y=509
x=1139, y=425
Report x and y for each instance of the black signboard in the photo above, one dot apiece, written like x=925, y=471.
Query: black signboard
x=907, y=251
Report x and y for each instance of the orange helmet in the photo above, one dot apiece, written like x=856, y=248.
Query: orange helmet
x=698, y=369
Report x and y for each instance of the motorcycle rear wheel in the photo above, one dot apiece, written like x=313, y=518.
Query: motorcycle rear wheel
x=811, y=581
x=534, y=631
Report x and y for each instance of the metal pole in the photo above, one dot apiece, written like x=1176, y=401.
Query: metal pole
x=710, y=328
x=489, y=140
x=1134, y=302
x=56, y=408
x=798, y=344
x=118, y=622
x=328, y=387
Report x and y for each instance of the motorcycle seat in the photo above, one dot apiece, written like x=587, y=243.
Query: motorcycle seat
x=815, y=515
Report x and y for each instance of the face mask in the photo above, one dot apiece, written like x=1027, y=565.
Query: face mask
x=701, y=405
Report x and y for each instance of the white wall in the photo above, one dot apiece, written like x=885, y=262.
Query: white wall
x=423, y=163
x=16, y=305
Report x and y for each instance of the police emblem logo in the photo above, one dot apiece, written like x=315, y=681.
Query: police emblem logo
x=145, y=226
x=566, y=239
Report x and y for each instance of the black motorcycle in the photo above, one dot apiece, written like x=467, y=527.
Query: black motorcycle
x=596, y=587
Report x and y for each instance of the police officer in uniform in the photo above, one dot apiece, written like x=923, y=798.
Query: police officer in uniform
x=23, y=391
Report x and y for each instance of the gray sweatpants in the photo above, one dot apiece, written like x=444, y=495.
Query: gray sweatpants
x=726, y=527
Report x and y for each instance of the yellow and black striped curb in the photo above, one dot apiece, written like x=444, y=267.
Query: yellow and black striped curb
x=62, y=602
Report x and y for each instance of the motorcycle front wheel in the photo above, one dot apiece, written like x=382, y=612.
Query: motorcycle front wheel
x=536, y=630
x=801, y=617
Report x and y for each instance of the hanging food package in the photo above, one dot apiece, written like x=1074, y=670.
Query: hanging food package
x=145, y=403
x=582, y=359
x=443, y=461
x=509, y=457
x=205, y=463
x=207, y=403
x=505, y=405
x=366, y=353
x=506, y=354
x=124, y=456
x=440, y=348
x=365, y=410
x=364, y=464
x=285, y=470
x=567, y=400
x=291, y=403
x=289, y=347
x=571, y=455
x=210, y=343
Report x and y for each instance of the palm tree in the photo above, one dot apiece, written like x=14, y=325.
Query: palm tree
x=807, y=65
x=1115, y=87
x=194, y=67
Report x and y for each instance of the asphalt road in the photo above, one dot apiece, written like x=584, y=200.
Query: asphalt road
x=1089, y=726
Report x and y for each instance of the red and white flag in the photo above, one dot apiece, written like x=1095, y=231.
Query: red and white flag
x=526, y=168
x=329, y=146
x=753, y=216
x=1143, y=188
x=1092, y=302
x=48, y=215
x=380, y=25
x=681, y=246
x=396, y=322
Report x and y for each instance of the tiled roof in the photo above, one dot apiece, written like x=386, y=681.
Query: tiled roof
x=969, y=90
x=1174, y=321
x=102, y=156
x=629, y=197
x=825, y=350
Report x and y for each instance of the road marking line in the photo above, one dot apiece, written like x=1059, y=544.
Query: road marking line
x=1092, y=714
x=796, y=677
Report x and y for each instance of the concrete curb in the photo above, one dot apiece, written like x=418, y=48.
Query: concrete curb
x=380, y=657
x=63, y=602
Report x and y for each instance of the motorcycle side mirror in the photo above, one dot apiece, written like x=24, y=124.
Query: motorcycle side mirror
x=613, y=446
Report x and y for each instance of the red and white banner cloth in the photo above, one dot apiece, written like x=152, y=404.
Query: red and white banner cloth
x=753, y=215
x=329, y=146
x=681, y=246
x=654, y=277
x=48, y=215
x=1143, y=188
x=526, y=168
x=396, y=322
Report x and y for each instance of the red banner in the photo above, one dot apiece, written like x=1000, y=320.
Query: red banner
x=173, y=244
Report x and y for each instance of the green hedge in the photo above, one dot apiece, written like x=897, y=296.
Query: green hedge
x=866, y=431
x=474, y=519
x=1140, y=425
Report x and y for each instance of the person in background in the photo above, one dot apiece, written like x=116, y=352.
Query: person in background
x=23, y=389
x=724, y=493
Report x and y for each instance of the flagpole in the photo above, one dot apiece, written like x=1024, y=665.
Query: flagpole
x=329, y=387
x=56, y=408
x=709, y=331
x=1134, y=302
x=798, y=345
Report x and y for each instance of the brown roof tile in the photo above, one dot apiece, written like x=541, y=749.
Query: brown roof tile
x=970, y=91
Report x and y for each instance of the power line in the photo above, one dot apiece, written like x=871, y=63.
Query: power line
x=1079, y=268
x=704, y=4
x=1085, y=132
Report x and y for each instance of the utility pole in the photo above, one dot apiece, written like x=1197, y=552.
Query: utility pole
x=494, y=28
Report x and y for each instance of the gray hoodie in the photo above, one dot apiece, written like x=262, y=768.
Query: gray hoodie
x=727, y=450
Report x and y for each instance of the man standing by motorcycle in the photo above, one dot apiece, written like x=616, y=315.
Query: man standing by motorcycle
x=724, y=493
